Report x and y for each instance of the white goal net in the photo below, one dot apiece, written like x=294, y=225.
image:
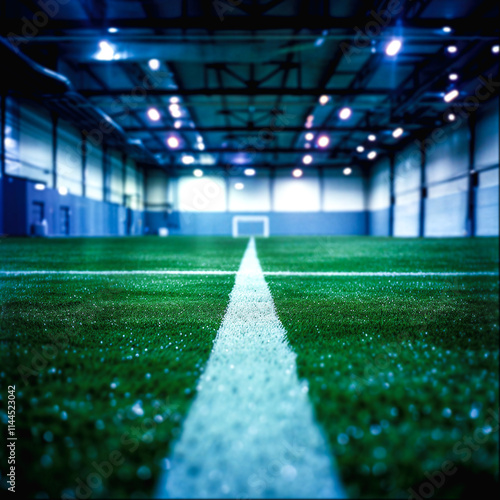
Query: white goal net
x=250, y=225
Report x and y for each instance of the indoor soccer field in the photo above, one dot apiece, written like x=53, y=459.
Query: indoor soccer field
x=396, y=346
x=249, y=249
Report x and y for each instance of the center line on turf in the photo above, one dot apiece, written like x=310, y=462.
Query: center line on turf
x=250, y=432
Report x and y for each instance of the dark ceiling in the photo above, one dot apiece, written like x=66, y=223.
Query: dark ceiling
x=249, y=73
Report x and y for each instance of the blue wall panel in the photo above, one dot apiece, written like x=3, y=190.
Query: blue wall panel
x=379, y=222
x=446, y=215
x=406, y=219
x=280, y=223
x=86, y=217
x=486, y=200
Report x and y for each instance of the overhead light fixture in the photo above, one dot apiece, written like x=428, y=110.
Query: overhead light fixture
x=249, y=172
x=39, y=187
x=154, y=64
x=201, y=146
x=345, y=113
x=372, y=155
x=153, y=114
x=360, y=149
x=106, y=51
x=452, y=94
x=451, y=117
x=173, y=142
x=373, y=50
x=452, y=49
x=239, y=186
x=63, y=191
x=324, y=99
x=113, y=30
x=323, y=141
x=187, y=159
x=453, y=77
x=372, y=137
x=177, y=124
x=174, y=100
x=347, y=171
x=495, y=49
x=197, y=172
x=398, y=132
x=307, y=159
x=309, y=136
x=447, y=29
x=393, y=47
x=297, y=173
x=175, y=110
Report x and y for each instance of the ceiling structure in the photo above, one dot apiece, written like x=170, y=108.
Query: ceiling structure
x=239, y=83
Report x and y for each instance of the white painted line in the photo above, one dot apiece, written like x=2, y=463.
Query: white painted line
x=250, y=432
x=381, y=273
x=267, y=273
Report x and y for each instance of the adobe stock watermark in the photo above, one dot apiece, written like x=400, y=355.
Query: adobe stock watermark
x=463, y=450
x=31, y=27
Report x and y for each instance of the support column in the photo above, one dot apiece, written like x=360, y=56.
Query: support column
x=83, y=149
x=472, y=179
x=3, y=116
x=55, y=119
x=105, y=173
x=391, y=194
x=423, y=190
x=124, y=179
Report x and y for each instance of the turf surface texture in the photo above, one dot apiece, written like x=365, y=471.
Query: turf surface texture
x=401, y=370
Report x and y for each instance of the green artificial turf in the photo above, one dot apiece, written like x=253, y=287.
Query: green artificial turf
x=401, y=371
x=367, y=254
x=102, y=365
x=133, y=253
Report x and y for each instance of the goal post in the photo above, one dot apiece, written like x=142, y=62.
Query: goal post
x=261, y=221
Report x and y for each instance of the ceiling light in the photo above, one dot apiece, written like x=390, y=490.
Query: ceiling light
x=372, y=137
x=63, y=191
x=323, y=99
x=239, y=186
x=175, y=110
x=297, y=173
x=452, y=94
x=373, y=50
x=154, y=64
x=453, y=77
x=173, y=142
x=187, y=159
x=393, y=47
x=310, y=118
x=372, y=155
x=347, y=171
x=307, y=160
x=447, y=29
x=201, y=146
x=398, y=132
x=451, y=117
x=323, y=141
x=345, y=113
x=39, y=187
x=153, y=114
x=309, y=136
x=113, y=30
x=360, y=149
x=495, y=49
x=106, y=51
x=177, y=124
x=197, y=172
x=249, y=172
x=452, y=49
x=174, y=100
